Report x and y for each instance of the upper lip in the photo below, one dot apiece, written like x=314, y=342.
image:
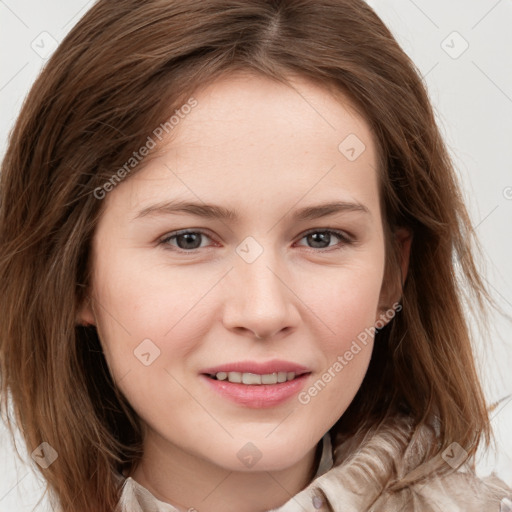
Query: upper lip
x=261, y=368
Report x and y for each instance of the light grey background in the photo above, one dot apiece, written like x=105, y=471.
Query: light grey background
x=463, y=48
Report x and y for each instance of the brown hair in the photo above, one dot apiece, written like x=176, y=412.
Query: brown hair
x=119, y=74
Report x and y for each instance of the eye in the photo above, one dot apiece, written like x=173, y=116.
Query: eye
x=320, y=239
x=186, y=240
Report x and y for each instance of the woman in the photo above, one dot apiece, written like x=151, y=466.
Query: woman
x=252, y=371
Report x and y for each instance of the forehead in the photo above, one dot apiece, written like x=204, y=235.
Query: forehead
x=254, y=140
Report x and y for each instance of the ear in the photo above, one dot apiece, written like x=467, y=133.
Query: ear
x=403, y=237
x=85, y=315
x=396, y=270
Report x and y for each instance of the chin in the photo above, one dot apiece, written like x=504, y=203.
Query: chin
x=261, y=455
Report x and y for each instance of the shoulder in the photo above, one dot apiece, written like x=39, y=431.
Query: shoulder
x=388, y=469
x=458, y=491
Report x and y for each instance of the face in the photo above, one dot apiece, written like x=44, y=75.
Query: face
x=282, y=285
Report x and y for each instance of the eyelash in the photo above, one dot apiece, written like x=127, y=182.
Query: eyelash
x=345, y=240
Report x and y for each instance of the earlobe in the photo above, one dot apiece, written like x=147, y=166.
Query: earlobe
x=85, y=315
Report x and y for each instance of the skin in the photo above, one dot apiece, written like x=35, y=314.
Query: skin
x=263, y=149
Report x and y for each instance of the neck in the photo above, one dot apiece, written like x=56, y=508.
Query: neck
x=188, y=483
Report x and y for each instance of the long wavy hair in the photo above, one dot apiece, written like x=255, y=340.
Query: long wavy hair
x=121, y=72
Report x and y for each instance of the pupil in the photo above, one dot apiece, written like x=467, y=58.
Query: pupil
x=323, y=236
x=189, y=238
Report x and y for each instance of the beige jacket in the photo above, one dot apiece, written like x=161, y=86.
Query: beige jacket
x=357, y=474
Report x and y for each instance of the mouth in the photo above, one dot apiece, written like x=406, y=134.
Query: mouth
x=256, y=385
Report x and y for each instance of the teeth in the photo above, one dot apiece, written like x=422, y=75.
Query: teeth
x=254, y=378
x=269, y=378
x=251, y=378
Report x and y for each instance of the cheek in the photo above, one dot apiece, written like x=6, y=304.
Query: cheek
x=145, y=318
x=144, y=297
x=346, y=308
x=148, y=328
x=346, y=302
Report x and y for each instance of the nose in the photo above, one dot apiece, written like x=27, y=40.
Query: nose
x=261, y=300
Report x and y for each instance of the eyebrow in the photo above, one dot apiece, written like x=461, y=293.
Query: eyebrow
x=212, y=211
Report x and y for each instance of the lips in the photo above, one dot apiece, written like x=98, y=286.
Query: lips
x=256, y=385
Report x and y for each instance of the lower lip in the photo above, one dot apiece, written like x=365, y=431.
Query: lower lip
x=257, y=396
